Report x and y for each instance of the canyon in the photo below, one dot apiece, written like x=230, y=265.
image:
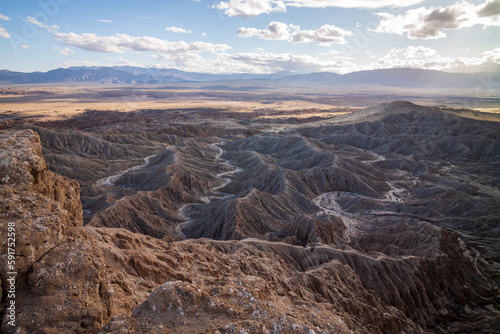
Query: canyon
x=383, y=219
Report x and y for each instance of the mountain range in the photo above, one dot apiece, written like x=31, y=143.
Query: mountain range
x=396, y=77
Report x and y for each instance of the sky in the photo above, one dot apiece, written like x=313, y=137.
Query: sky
x=251, y=36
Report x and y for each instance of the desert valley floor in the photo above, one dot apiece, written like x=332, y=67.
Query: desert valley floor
x=217, y=210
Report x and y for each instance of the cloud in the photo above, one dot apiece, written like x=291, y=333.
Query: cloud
x=352, y=3
x=106, y=21
x=4, y=33
x=65, y=52
x=265, y=62
x=282, y=31
x=4, y=17
x=490, y=9
x=325, y=34
x=187, y=61
x=429, y=23
x=427, y=58
x=493, y=54
x=178, y=30
x=412, y=56
x=274, y=31
x=120, y=61
x=71, y=63
x=24, y=46
x=52, y=28
x=121, y=43
x=249, y=8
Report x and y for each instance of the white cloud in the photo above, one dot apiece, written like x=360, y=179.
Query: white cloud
x=419, y=52
x=24, y=46
x=178, y=30
x=412, y=56
x=270, y=62
x=326, y=34
x=4, y=17
x=429, y=23
x=352, y=3
x=282, y=31
x=52, y=28
x=120, y=61
x=121, y=43
x=493, y=54
x=371, y=54
x=249, y=8
x=187, y=61
x=71, y=63
x=274, y=31
x=65, y=52
x=427, y=58
x=106, y=21
x=4, y=33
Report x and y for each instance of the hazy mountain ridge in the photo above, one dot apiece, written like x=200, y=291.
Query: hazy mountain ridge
x=396, y=77
x=404, y=77
x=122, y=75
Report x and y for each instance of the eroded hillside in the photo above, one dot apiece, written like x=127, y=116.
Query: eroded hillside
x=384, y=221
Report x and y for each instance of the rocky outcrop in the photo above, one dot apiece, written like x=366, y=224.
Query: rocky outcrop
x=55, y=269
x=29, y=191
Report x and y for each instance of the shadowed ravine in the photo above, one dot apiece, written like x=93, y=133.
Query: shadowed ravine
x=214, y=194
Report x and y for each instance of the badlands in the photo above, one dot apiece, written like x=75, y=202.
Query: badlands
x=276, y=219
